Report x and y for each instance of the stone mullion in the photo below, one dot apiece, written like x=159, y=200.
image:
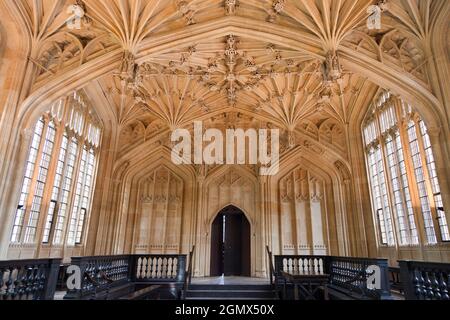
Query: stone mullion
x=412, y=180
x=48, y=191
x=389, y=192
x=32, y=188
x=72, y=192
x=374, y=147
x=61, y=190
x=91, y=195
x=372, y=198
x=65, y=119
x=402, y=191
x=443, y=179
x=429, y=188
x=403, y=134
x=83, y=188
x=60, y=135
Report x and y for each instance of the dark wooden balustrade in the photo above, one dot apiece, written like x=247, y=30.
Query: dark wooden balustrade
x=188, y=277
x=347, y=275
x=102, y=274
x=425, y=280
x=396, y=283
x=29, y=279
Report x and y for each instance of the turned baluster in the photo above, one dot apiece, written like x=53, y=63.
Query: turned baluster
x=19, y=288
x=36, y=282
x=22, y=280
x=175, y=268
x=442, y=284
x=435, y=286
x=159, y=273
x=2, y=284
x=418, y=284
x=155, y=268
x=8, y=283
x=29, y=281
x=42, y=280
x=428, y=286
x=149, y=274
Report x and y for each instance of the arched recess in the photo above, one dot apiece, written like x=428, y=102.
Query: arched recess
x=229, y=186
x=309, y=210
x=150, y=207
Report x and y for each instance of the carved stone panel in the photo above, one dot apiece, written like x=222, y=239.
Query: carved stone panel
x=301, y=213
x=160, y=213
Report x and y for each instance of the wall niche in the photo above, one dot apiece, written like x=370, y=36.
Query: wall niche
x=160, y=209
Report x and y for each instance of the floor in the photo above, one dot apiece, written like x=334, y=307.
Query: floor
x=230, y=281
x=59, y=295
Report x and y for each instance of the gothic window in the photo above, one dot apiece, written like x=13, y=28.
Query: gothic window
x=436, y=189
x=66, y=191
x=59, y=176
x=401, y=164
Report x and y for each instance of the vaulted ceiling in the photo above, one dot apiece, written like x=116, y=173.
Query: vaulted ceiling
x=259, y=76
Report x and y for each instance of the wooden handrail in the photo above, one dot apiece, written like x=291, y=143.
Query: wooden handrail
x=29, y=279
x=188, y=276
x=271, y=267
x=346, y=273
x=104, y=272
x=425, y=280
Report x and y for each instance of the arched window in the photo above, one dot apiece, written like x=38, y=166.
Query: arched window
x=59, y=176
x=402, y=173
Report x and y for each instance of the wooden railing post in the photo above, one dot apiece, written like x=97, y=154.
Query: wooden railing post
x=52, y=279
x=425, y=280
x=29, y=279
x=132, y=267
x=269, y=253
x=77, y=293
x=181, y=272
x=188, y=274
x=407, y=279
x=385, y=292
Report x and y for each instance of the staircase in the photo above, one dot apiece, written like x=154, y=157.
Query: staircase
x=230, y=292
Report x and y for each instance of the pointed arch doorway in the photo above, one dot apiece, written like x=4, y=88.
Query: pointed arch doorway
x=230, y=244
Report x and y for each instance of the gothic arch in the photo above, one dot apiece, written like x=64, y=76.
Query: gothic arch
x=336, y=214
x=125, y=198
x=231, y=204
x=216, y=193
x=221, y=172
